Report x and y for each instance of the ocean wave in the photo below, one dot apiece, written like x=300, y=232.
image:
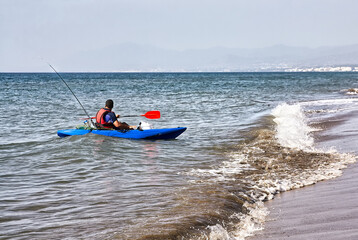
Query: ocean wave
x=331, y=102
x=276, y=158
x=350, y=91
x=292, y=129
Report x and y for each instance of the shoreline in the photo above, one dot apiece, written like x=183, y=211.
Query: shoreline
x=327, y=209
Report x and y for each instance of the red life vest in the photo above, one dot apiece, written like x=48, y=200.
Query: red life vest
x=100, y=118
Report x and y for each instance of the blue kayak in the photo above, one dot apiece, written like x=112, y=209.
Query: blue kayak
x=153, y=134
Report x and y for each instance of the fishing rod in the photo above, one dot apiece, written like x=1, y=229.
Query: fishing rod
x=73, y=94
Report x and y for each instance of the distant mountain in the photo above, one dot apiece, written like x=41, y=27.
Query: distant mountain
x=146, y=58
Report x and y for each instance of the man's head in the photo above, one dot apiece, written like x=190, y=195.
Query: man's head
x=109, y=103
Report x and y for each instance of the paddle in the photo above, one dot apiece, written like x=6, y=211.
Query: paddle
x=150, y=115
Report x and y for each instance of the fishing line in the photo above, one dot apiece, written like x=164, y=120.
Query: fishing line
x=73, y=94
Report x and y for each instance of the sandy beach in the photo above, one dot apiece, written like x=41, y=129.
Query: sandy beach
x=328, y=209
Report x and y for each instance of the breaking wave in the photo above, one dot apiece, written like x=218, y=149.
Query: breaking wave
x=276, y=158
x=292, y=130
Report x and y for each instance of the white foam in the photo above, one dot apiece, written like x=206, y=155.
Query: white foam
x=218, y=232
x=226, y=171
x=292, y=129
x=340, y=101
x=253, y=221
x=249, y=223
x=351, y=91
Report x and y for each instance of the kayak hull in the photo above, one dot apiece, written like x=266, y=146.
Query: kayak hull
x=152, y=134
x=72, y=132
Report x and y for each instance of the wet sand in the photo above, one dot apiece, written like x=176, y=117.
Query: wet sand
x=326, y=210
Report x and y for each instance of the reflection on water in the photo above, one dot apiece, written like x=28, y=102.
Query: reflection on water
x=151, y=150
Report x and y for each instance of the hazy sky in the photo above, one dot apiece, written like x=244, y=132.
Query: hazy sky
x=53, y=29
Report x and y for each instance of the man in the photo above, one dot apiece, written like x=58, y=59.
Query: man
x=105, y=118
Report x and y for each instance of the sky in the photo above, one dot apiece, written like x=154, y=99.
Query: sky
x=38, y=31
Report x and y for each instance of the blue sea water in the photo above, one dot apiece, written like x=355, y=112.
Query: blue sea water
x=249, y=137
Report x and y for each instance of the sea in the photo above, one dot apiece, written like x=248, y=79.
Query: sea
x=249, y=137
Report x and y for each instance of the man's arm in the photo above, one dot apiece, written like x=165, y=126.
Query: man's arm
x=121, y=125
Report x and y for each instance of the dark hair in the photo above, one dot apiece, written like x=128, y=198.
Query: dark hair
x=109, y=103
